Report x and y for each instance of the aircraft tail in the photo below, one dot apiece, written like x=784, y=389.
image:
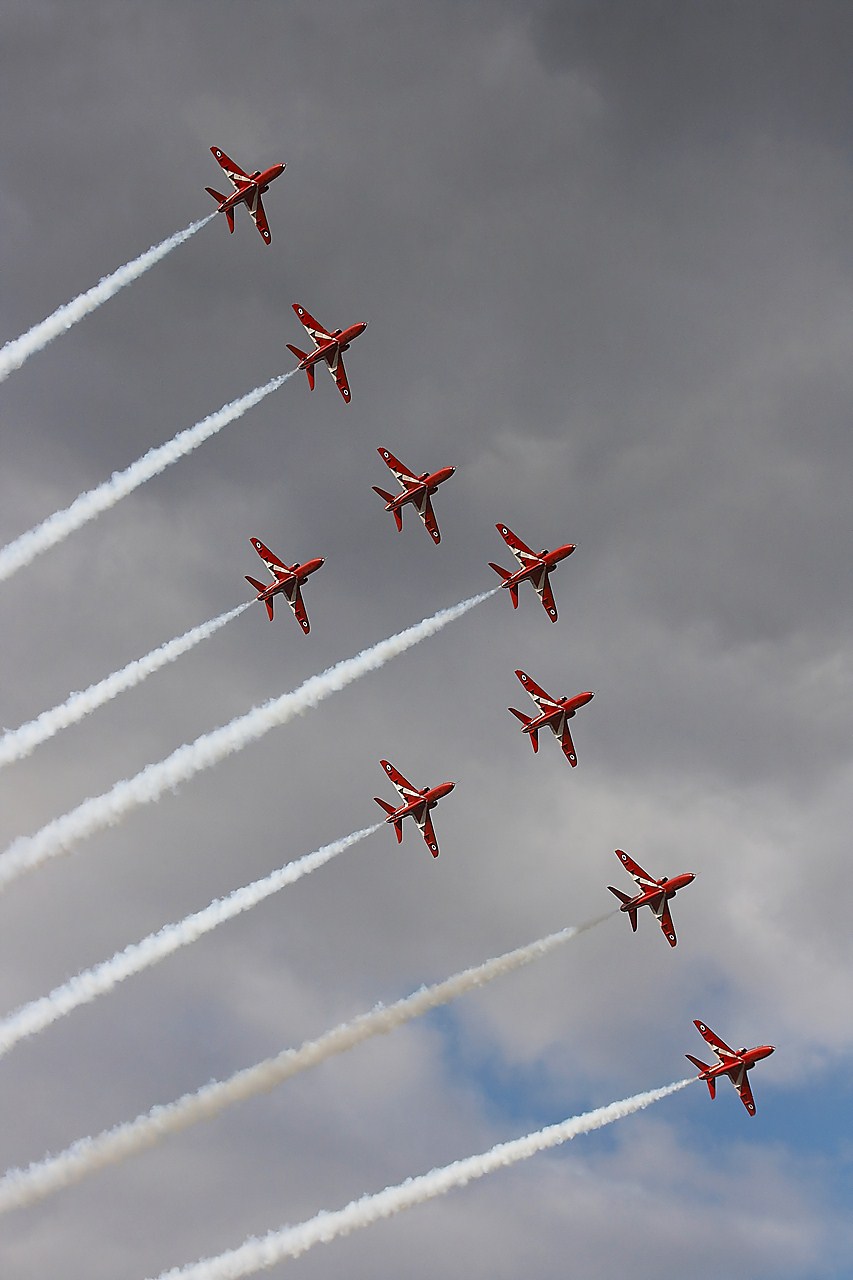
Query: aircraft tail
x=624, y=899
x=514, y=589
x=220, y=199
x=389, y=505
x=259, y=586
x=710, y=1081
x=300, y=356
x=389, y=809
x=525, y=720
x=383, y=804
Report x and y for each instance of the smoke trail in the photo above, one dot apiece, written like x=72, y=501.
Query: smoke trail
x=24, y=549
x=19, y=743
x=289, y=1242
x=15, y=353
x=20, y=1187
x=60, y=836
x=101, y=978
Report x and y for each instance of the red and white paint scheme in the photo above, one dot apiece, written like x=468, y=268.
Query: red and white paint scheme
x=416, y=489
x=534, y=568
x=554, y=714
x=328, y=347
x=732, y=1063
x=248, y=189
x=415, y=803
x=653, y=893
x=289, y=579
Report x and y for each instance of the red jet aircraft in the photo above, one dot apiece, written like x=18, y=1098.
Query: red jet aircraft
x=653, y=893
x=534, y=568
x=417, y=803
x=416, y=489
x=328, y=347
x=248, y=189
x=289, y=578
x=733, y=1064
x=555, y=713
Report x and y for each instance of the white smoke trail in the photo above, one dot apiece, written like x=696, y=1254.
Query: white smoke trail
x=20, y=1187
x=24, y=549
x=60, y=836
x=15, y=353
x=289, y=1242
x=101, y=978
x=16, y=744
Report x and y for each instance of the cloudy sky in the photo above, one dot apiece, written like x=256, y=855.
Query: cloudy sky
x=604, y=252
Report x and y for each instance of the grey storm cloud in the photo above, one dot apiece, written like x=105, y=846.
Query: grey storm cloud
x=604, y=254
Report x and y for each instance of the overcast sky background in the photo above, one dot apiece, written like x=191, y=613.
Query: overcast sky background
x=604, y=250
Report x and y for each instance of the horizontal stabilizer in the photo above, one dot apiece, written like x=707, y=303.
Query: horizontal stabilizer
x=383, y=804
x=217, y=195
x=519, y=715
x=309, y=369
x=389, y=505
x=703, y=1068
x=502, y=573
x=259, y=587
x=623, y=897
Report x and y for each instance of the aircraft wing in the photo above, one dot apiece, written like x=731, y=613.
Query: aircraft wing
x=424, y=821
x=404, y=787
x=272, y=562
x=643, y=879
x=236, y=176
x=313, y=327
x=426, y=513
x=339, y=373
x=740, y=1080
x=568, y=746
x=542, y=583
x=543, y=700
x=721, y=1049
x=259, y=217
x=661, y=910
x=293, y=594
x=519, y=549
x=406, y=477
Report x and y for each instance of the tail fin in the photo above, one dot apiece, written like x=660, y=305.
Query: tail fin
x=389, y=809
x=396, y=512
x=309, y=369
x=525, y=720
x=220, y=198
x=259, y=586
x=624, y=899
x=710, y=1081
x=513, y=591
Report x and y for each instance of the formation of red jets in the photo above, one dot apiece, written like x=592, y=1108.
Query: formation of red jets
x=534, y=567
